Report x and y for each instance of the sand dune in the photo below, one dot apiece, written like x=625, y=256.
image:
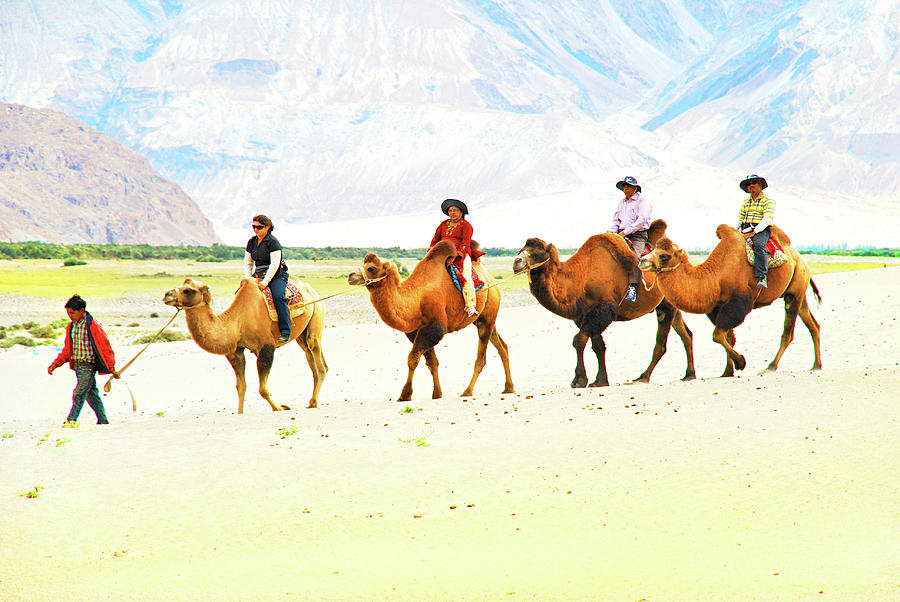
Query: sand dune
x=773, y=486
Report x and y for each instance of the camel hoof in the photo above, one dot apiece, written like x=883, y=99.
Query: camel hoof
x=769, y=368
x=466, y=393
x=509, y=389
x=816, y=367
x=579, y=383
x=312, y=405
x=642, y=379
x=689, y=377
x=740, y=363
x=598, y=383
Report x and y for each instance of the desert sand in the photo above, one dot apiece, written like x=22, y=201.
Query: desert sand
x=774, y=486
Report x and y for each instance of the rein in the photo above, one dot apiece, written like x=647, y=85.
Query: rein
x=108, y=386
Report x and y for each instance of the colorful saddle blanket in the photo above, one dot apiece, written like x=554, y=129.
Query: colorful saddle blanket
x=459, y=279
x=294, y=298
x=776, y=254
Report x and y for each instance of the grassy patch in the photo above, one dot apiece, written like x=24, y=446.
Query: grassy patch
x=287, y=431
x=167, y=336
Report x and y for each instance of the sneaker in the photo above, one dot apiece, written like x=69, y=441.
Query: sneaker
x=631, y=295
x=284, y=338
x=762, y=283
x=471, y=312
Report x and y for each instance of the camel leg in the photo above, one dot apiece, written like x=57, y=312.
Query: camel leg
x=431, y=360
x=787, y=335
x=810, y=322
x=423, y=339
x=667, y=317
x=722, y=338
x=484, y=335
x=687, y=339
x=264, y=360
x=503, y=350
x=599, y=347
x=238, y=362
x=579, y=342
x=312, y=348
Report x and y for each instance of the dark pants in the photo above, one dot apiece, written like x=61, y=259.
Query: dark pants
x=637, y=241
x=86, y=389
x=760, y=259
x=277, y=286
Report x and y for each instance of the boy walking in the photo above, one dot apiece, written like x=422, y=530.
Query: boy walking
x=88, y=352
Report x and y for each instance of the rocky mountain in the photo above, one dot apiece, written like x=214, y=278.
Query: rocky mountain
x=61, y=181
x=331, y=112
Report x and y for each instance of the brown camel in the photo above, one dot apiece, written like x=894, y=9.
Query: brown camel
x=723, y=288
x=246, y=325
x=427, y=305
x=589, y=288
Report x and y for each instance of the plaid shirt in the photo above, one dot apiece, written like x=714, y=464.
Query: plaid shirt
x=81, y=343
x=752, y=212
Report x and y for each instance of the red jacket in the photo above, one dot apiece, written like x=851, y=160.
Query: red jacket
x=104, y=358
x=461, y=236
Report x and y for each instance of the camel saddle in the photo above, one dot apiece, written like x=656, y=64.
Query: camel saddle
x=294, y=298
x=459, y=280
x=776, y=255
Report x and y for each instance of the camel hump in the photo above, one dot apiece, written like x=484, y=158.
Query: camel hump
x=780, y=237
x=656, y=231
x=441, y=249
x=724, y=231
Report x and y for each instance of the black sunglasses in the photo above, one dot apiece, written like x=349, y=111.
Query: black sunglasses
x=256, y=227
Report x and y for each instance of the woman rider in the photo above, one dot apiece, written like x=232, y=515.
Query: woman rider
x=264, y=262
x=459, y=232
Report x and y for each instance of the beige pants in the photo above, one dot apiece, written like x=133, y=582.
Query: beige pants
x=469, y=286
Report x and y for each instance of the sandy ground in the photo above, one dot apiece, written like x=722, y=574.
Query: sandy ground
x=776, y=486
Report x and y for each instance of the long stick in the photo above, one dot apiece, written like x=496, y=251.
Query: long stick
x=108, y=385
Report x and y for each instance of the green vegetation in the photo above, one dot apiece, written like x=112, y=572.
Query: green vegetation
x=407, y=410
x=166, y=336
x=70, y=261
x=287, y=431
x=7, y=436
x=419, y=441
x=36, y=491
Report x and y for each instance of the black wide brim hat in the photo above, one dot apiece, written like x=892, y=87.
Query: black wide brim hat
x=745, y=183
x=445, y=206
x=628, y=180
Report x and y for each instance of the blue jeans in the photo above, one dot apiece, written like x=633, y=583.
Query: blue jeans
x=760, y=259
x=86, y=389
x=277, y=286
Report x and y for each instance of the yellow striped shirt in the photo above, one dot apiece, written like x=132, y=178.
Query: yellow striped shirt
x=753, y=211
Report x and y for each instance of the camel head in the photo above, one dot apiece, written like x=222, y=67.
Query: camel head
x=190, y=294
x=534, y=254
x=373, y=270
x=665, y=257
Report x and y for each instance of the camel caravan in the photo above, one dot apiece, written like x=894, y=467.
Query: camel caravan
x=616, y=276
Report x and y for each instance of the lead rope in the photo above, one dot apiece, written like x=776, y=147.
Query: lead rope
x=108, y=386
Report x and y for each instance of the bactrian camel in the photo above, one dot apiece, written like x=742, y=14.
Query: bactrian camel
x=246, y=325
x=427, y=305
x=723, y=288
x=589, y=288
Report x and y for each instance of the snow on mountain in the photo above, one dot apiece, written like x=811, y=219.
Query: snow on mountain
x=329, y=113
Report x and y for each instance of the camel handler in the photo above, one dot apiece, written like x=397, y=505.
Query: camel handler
x=88, y=352
x=631, y=221
x=459, y=232
x=756, y=214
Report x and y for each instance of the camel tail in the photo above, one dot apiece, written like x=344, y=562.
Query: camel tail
x=815, y=290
